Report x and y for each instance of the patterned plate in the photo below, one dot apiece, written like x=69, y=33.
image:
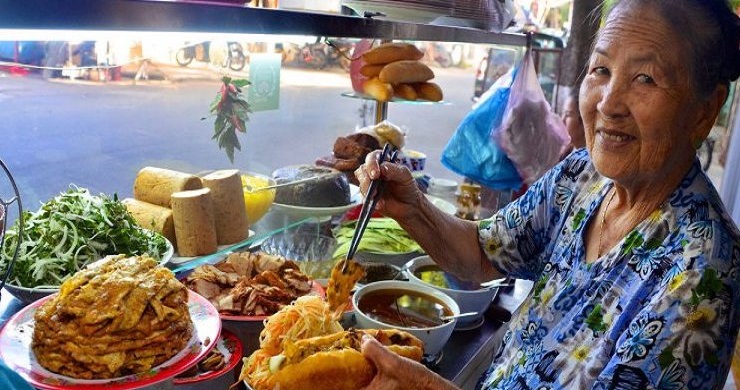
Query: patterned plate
x=230, y=347
x=16, y=352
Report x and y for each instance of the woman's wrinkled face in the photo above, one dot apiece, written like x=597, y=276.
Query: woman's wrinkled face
x=638, y=109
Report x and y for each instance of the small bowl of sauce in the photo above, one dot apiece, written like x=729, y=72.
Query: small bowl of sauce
x=411, y=307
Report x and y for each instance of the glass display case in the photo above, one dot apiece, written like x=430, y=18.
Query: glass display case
x=94, y=91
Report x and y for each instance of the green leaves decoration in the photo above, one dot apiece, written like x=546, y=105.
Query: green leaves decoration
x=232, y=112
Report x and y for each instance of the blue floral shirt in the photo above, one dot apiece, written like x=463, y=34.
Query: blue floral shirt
x=658, y=311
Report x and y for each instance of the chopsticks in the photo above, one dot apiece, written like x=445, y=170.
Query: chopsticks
x=368, y=206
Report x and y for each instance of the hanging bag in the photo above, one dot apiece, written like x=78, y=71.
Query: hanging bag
x=471, y=152
x=531, y=134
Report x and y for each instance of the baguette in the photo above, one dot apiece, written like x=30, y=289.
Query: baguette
x=405, y=72
x=429, y=91
x=390, y=52
x=405, y=91
x=369, y=70
x=380, y=91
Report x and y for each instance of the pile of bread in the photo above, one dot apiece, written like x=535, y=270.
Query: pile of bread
x=394, y=70
x=195, y=213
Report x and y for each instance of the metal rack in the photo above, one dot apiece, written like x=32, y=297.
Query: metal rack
x=167, y=16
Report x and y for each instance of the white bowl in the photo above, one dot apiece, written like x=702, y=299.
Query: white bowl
x=434, y=338
x=468, y=300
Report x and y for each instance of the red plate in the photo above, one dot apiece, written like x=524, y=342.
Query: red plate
x=229, y=346
x=316, y=289
x=16, y=352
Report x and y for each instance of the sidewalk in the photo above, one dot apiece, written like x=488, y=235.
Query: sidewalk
x=176, y=73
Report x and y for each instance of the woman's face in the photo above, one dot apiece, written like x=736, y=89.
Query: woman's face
x=639, y=115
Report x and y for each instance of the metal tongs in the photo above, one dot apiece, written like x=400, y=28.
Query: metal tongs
x=368, y=206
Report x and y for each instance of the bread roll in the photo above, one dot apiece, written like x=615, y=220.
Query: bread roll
x=229, y=212
x=429, y=91
x=156, y=185
x=369, y=70
x=195, y=228
x=152, y=217
x=405, y=72
x=404, y=91
x=378, y=90
x=390, y=52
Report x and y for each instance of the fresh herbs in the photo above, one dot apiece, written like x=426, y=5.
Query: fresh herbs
x=232, y=112
x=70, y=231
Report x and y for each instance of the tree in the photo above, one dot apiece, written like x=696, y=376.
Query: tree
x=584, y=25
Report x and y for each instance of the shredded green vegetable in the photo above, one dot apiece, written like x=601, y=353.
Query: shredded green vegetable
x=382, y=235
x=69, y=232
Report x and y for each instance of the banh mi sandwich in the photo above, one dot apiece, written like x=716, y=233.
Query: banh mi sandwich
x=335, y=361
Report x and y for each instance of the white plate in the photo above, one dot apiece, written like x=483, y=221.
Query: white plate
x=177, y=260
x=442, y=204
x=397, y=11
x=318, y=212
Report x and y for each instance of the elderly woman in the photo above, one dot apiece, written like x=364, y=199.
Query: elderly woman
x=635, y=261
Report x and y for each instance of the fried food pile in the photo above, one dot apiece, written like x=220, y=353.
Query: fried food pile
x=118, y=316
x=250, y=283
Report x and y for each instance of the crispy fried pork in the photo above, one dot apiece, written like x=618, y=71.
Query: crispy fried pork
x=250, y=283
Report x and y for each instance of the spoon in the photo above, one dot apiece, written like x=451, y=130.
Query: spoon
x=249, y=188
x=496, y=283
x=467, y=314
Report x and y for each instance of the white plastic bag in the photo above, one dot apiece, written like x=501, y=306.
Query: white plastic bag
x=531, y=134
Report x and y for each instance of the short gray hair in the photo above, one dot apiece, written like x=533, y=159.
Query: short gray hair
x=711, y=31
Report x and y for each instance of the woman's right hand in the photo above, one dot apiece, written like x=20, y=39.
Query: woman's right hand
x=400, y=195
x=399, y=373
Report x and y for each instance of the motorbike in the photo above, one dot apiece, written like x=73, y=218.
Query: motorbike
x=234, y=60
x=315, y=55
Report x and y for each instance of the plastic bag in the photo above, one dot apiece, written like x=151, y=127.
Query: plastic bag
x=471, y=153
x=532, y=136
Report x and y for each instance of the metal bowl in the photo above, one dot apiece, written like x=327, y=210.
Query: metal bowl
x=32, y=294
x=470, y=300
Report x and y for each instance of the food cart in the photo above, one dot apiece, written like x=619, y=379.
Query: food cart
x=469, y=351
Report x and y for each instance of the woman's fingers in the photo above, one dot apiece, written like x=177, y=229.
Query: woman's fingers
x=374, y=351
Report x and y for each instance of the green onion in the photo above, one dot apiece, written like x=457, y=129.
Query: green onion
x=69, y=232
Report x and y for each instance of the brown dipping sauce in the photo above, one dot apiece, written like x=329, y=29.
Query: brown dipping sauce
x=405, y=308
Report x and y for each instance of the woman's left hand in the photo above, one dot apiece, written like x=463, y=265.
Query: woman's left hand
x=397, y=372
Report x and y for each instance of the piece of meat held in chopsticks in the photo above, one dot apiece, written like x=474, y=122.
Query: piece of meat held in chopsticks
x=341, y=284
